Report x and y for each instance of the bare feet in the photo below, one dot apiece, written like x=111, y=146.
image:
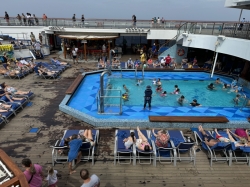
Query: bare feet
x=71, y=172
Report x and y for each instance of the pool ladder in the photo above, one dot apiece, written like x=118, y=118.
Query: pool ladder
x=136, y=72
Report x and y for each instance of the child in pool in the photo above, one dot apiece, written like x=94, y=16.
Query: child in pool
x=154, y=81
x=164, y=94
x=237, y=99
x=159, y=88
x=181, y=100
x=125, y=88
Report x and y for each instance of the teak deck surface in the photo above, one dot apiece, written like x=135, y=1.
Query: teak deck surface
x=18, y=144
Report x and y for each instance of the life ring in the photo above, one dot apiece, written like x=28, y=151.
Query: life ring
x=181, y=52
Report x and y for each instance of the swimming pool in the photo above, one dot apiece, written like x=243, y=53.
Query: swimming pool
x=190, y=89
x=83, y=103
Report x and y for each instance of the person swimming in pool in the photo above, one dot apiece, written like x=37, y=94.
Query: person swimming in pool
x=237, y=99
x=159, y=88
x=195, y=103
x=181, y=100
x=154, y=82
x=139, y=82
x=125, y=97
x=125, y=88
x=238, y=88
x=217, y=81
x=164, y=94
x=177, y=91
x=158, y=82
x=225, y=86
x=211, y=86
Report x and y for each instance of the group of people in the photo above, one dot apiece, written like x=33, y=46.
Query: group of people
x=26, y=19
x=157, y=22
x=233, y=86
x=240, y=137
x=74, y=19
x=192, y=64
x=142, y=143
x=35, y=176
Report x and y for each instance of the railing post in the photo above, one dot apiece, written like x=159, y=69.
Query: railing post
x=222, y=28
x=213, y=29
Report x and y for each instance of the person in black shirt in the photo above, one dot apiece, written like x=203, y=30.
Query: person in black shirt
x=148, y=97
x=211, y=86
x=6, y=16
x=194, y=103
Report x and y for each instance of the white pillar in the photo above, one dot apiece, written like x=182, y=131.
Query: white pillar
x=215, y=60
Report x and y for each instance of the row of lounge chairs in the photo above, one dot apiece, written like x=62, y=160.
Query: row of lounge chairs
x=223, y=151
x=16, y=105
x=20, y=70
x=180, y=148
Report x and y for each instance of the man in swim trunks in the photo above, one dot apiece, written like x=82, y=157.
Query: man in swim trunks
x=209, y=140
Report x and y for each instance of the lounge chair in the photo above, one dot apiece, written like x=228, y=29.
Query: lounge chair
x=221, y=147
x=143, y=155
x=120, y=151
x=240, y=154
x=53, y=76
x=164, y=155
x=185, y=150
x=87, y=150
x=21, y=103
x=123, y=65
x=2, y=120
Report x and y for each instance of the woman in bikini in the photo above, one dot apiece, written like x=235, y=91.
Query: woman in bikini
x=142, y=143
x=129, y=141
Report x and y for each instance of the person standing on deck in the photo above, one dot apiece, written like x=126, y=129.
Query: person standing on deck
x=74, y=20
x=147, y=97
x=89, y=181
x=134, y=20
x=7, y=18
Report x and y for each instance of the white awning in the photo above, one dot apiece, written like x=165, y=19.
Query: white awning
x=87, y=37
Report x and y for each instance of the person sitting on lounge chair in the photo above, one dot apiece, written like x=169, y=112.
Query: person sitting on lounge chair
x=12, y=90
x=162, y=138
x=142, y=143
x=57, y=62
x=116, y=63
x=238, y=143
x=101, y=62
x=129, y=141
x=130, y=64
x=157, y=64
x=87, y=137
x=241, y=133
x=4, y=106
x=24, y=62
x=43, y=71
x=209, y=140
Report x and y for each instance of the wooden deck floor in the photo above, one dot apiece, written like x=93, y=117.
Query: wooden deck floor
x=18, y=143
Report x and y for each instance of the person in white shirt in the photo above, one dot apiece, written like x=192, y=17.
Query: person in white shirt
x=104, y=48
x=88, y=181
x=130, y=63
x=74, y=55
x=24, y=62
x=163, y=62
x=52, y=177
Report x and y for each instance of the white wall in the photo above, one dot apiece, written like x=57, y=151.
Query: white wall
x=161, y=34
x=231, y=46
x=16, y=31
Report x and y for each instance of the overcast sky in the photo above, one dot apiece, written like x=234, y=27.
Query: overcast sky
x=124, y=9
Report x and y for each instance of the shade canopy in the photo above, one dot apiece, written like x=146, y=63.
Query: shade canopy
x=87, y=37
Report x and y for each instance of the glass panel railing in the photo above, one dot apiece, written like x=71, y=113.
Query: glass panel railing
x=229, y=29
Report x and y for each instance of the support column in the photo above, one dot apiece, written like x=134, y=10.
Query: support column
x=109, y=50
x=85, y=51
x=215, y=60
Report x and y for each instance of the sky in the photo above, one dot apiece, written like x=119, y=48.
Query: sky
x=202, y=10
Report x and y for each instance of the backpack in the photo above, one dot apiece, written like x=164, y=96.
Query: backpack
x=162, y=141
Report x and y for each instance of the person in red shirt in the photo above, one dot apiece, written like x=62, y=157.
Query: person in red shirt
x=168, y=60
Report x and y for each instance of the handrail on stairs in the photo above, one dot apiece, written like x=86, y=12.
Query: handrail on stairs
x=174, y=38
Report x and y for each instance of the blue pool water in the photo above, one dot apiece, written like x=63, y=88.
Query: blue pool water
x=191, y=89
x=192, y=85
